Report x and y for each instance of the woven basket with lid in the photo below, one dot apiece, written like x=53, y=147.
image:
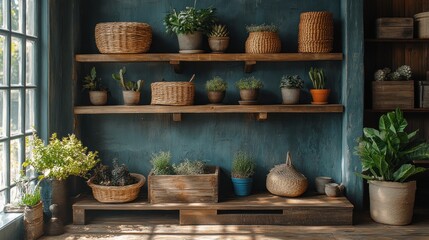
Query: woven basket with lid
x=263, y=42
x=316, y=32
x=284, y=180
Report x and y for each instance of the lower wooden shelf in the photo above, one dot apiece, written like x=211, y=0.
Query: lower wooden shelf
x=256, y=209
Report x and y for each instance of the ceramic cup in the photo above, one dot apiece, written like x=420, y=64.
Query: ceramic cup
x=320, y=184
x=334, y=189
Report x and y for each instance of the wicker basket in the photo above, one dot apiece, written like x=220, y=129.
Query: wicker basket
x=316, y=32
x=123, y=37
x=263, y=42
x=117, y=194
x=173, y=93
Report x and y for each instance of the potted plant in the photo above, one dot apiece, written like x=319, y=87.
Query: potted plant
x=218, y=38
x=263, y=39
x=291, y=87
x=216, y=88
x=243, y=168
x=386, y=155
x=130, y=89
x=56, y=161
x=249, y=89
x=318, y=92
x=97, y=92
x=190, y=25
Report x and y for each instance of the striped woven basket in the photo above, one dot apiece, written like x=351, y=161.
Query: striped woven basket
x=316, y=32
x=173, y=93
x=263, y=42
x=123, y=37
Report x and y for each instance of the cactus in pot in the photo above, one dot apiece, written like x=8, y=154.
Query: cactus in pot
x=130, y=89
x=218, y=38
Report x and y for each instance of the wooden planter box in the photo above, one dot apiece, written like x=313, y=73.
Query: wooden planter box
x=393, y=94
x=402, y=28
x=184, y=188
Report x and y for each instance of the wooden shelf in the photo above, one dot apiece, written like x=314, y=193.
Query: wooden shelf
x=396, y=40
x=412, y=110
x=175, y=58
x=260, y=110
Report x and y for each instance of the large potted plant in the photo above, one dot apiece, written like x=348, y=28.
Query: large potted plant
x=318, y=92
x=291, y=88
x=130, y=89
x=242, y=170
x=97, y=92
x=249, y=90
x=56, y=161
x=216, y=88
x=190, y=25
x=386, y=155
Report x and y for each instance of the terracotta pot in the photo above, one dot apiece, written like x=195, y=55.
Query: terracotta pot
x=249, y=94
x=215, y=96
x=33, y=221
x=263, y=42
x=320, y=96
x=98, y=98
x=218, y=44
x=189, y=42
x=290, y=95
x=392, y=202
x=131, y=97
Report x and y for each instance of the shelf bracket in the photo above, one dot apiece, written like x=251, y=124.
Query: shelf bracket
x=176, y=66
x=177, y=117
x=262, y=116
x=248, y=66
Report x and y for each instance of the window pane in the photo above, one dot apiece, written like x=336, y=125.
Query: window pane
x=15, y=61
x=15, y=156
x=30, y=64
x=29, y=171
x=3, y=53
x=30, y=17
x=16, y=15
x=2, y=166
x=14, y=194
x=3, y=115
x=3, y=16
x=15, y=112
x=2, y=199
x=30, y=109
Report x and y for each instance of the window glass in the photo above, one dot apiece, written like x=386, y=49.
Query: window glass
x=15, y=112
x=30, y=17
x=3, y=55
x=30, y=65
x=16, y=15
x=15, y=61
x=30, y=109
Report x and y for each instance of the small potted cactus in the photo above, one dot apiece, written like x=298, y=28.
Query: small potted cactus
x=291, y=87
x=218, y=38
x=216, y=88
x=131, y=89
x=97, y=92
x=263, y=39
x=249, y=90
x=318, y=92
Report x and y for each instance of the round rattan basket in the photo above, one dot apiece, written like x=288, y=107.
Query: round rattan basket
x=173, y=93
x=316, y=32
x=117, y=194
x=123, y=37
x=263, y=42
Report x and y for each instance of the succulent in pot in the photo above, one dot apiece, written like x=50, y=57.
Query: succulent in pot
x=216, y=88
x=318, y=92
x=130, y=89
x=291, y=86
x=97, y=92
x=249, y=89
x=263, y=39
x=218, y=38
x=242, y=170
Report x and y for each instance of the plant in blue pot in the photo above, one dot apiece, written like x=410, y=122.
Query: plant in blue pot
x=243, y=168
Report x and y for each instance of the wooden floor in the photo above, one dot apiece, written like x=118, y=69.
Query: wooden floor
x=123, y=225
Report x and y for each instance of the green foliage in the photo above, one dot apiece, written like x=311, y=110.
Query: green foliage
x=262, y=28
x=189, y=167
x=92, y=83
x=118, y=176
x=161, y=163
x=31, y=199
x=386, y=153
x=190, y=20
x=289, y=81
x=243, y=165
x=249, y=83
x=60, y=158
x=29, y=194
x=216, y=84
x=219, y=30
x=317, y=77
x=127, y=85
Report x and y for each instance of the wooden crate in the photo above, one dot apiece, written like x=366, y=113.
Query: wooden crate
x=402, y=28
x=184, y=188
x=393, y=94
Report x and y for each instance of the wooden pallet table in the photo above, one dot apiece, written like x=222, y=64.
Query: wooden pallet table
x=257, y=209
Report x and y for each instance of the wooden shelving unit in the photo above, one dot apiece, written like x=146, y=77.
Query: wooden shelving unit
x=175, y=58
x=396, y=40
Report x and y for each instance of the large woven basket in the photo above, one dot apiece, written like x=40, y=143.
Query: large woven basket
x=284, y=180
x=117, y=194
x=173, y=93
x=316, y=32
x=123, y=37
x=263, y=42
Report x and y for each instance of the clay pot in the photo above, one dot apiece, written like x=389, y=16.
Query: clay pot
x=290, y=95
x=98, y=98
x=33, y=221
x=249, y=94
x=218, y=44
x=216, y=97
x=334, y=189
x=188, y=43
x=131, y=97
x=321, y=182
x=320, y=96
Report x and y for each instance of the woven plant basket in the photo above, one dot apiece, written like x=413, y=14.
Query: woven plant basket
x=173, y=93
x=123, y=37
x=263, y=42
x=316, y=32
x=284, y=180
x=117, y=194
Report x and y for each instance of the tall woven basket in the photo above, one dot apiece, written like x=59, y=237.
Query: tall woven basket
x=123, y=37
x=316, y=32
x=173, y=93
x=263, y=42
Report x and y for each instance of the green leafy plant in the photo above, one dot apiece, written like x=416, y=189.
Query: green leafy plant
x=118, y=176
x=317, y=77
x=190, y=20
x=60, y=158
x=243, y=165
x=161, y=163
x=262, y=28
x=29, y=193
x=249, y=83
x=216, y=84
x=92, y=83
x=219, y=30
x=127, y=85
x=386, y=154
x=289, y=81
x=189, y=167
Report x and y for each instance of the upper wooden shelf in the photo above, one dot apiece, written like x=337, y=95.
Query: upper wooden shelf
x=408, y=110
x=396, y=40
x=260, y=110
x=175, y=58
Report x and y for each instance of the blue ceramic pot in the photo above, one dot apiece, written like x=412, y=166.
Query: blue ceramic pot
x=242, y=186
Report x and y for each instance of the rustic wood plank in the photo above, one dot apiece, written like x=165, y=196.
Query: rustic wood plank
x=78, y=215
x=392, y=94
x=397, y=40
